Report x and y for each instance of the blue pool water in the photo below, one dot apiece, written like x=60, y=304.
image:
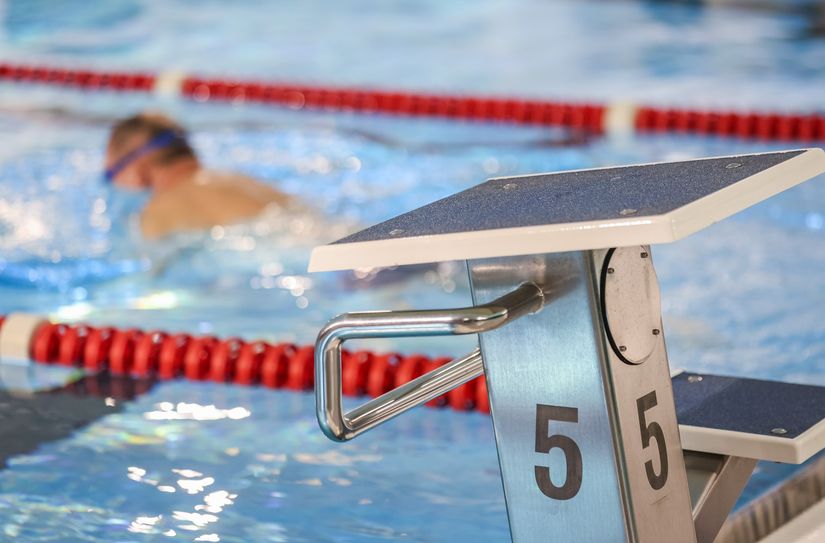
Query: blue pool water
x=160, y=474
x=743, y=298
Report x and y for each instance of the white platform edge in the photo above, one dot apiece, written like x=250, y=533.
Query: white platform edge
x=574, y=236
x=746, y=445
x=748, y=192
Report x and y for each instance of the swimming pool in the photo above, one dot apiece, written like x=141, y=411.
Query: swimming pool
x=741, y=298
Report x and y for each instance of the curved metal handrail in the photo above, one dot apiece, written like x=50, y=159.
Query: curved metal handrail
x=340, y=426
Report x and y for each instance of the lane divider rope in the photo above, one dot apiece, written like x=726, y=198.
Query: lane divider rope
x=615, y=118
x=163, y=356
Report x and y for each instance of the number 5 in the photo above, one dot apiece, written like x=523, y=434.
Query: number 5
x=652, y=431
x=572, y=454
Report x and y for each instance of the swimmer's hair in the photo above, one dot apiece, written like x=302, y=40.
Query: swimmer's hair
x=147, y=126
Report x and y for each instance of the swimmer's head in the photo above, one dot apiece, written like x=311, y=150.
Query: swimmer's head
x=144, y=148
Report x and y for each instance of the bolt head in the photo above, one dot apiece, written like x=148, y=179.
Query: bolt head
x=779, y=431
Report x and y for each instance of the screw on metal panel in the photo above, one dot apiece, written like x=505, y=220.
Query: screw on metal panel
x=656, y=331
x=644, y=255
x=509, y=186
x=694, y=378
x=627, y=211
x=396, y=232
x=610, y=270
x=622, y=348
x=779, y=431
x=733, y=165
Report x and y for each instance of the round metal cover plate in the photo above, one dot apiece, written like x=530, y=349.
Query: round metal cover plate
x=630, y=303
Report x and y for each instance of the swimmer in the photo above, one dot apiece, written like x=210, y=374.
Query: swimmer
x=151, y=152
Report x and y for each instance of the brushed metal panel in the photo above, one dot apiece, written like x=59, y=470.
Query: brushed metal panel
x=651, y=452
x=618, y=418
x=550, y=358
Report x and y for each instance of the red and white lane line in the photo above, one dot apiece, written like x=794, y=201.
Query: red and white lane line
x=610, y=118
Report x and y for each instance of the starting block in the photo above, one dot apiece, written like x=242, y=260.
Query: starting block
x=595, y=441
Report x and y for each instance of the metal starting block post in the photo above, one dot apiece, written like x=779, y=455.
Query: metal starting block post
x=580, y=389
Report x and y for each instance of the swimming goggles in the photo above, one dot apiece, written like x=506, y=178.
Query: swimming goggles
x=158, y=142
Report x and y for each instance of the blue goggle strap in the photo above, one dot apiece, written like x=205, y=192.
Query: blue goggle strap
x=158, y=142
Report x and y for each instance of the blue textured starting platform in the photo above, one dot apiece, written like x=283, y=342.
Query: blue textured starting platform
x=782, y=422
x=577, y=210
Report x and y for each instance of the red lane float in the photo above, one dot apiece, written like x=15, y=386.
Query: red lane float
x=96, y=351
x=249, y=363
x=582, y=116
x=595, y=118
x=147, y=353
x=84, y=79
x=45, y=345
x=275, y=364
x=170, y=358
x=156, y=354
x=122, y=350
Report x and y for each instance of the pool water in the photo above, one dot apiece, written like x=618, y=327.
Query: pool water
x=743, y=297
x=166, y=470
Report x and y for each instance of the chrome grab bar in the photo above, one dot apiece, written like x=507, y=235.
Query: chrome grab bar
x=340, y=426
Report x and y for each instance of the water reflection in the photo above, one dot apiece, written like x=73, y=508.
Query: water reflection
x=193, y=483
x=31, y=417
x=193, y=411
